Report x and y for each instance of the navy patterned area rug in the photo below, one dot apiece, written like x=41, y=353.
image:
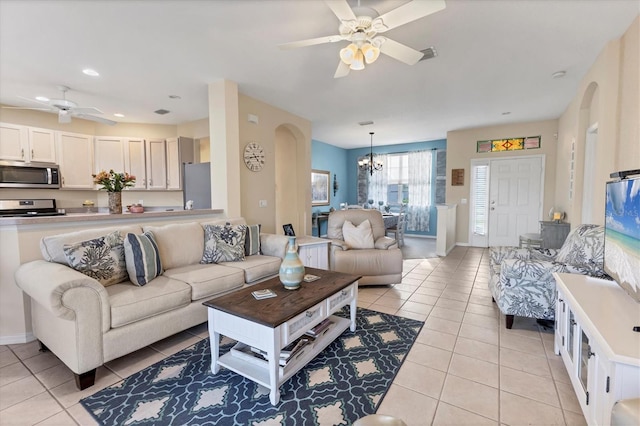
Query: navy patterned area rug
x=343, y=383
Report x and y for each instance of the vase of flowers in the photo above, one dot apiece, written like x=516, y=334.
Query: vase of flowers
x=114, y=183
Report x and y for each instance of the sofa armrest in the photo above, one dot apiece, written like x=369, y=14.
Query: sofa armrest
x=499, y=253
x=274, y=245
x=64, y=292
x=385, y=243
x=543, y=254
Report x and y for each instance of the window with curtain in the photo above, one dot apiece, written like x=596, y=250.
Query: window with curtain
x=419, y=185
x=480, y=196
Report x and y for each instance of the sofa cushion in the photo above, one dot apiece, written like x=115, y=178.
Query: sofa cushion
x=101, y=258
x=252, y=240
x=52, y=247
x=180, y=244
x=142, y=258
x=367, y=262
x=583, y=246
x=358, y=237
x=223, y=243
x=207, y=280
x=257, y=267
x=130, y=303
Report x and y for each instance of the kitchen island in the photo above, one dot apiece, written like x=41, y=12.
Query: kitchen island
x=20, y=243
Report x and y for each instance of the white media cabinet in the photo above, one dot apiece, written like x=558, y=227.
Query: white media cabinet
x=594, y=335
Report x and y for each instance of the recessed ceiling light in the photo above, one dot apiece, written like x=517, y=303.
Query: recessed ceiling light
x=42, y=99
x=506, y=113
x=559, y=74
x=92, y=73
x=117, y=114
x=365, y=123
x=174, y=97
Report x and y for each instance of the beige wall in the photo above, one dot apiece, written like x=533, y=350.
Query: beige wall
x=275, y=125
x=609, y=96
x=461, y=149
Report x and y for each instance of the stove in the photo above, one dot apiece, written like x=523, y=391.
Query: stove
x=29, y=208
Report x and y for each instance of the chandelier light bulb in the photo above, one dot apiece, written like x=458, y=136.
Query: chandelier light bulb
x=370, y=53
x=348, y=54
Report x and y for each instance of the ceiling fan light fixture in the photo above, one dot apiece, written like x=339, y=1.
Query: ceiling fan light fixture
x=357, y=64
x=370, y=52
x=348, y=54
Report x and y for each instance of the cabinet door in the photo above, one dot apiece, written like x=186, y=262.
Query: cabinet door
x=76, y=160
x=135, y=161
x=42, y=145
x=13, y=142
x=108, y=154
x=156, y=164
x=173, y=164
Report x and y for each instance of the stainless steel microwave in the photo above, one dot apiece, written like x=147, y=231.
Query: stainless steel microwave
x=14, y=174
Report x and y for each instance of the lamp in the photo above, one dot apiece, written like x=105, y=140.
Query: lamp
x=357, y=53
x=369, y=162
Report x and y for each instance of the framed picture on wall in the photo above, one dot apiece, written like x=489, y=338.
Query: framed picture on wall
x=320, y=188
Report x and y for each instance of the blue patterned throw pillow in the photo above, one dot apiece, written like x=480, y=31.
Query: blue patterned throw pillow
x=142, y=258
x=223, y=243
x=252, y=240
x=101, y=258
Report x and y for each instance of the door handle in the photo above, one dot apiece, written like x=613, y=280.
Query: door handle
x=493, y=208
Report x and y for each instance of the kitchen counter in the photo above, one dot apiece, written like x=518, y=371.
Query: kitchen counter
x=88, y=217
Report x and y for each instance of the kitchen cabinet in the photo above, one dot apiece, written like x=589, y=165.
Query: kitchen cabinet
x=314, y=252
x=135, y=162
x=156, y=164
x=108, y=154
x=27, y=144
x=179, y=151
x=75, y=152
x=595, y=338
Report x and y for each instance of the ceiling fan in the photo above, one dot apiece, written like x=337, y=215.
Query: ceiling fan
x=362, y=32
x=67, y=109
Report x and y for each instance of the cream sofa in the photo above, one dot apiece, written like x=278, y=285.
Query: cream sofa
x=379, y=265
x=87, y=324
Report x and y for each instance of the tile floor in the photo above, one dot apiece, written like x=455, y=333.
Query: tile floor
x=464, y=369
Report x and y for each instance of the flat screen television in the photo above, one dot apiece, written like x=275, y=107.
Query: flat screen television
x=622, y=234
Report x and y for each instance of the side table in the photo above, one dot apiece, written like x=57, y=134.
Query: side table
x=314, y=252
x=553, y=234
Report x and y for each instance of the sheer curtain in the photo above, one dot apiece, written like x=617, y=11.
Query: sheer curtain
x=378, y=183
x=419, y=191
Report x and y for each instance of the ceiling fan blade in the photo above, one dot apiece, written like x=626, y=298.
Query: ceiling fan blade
x=36, y=101
x=311, y=42
x=400, y=52
x=341, y=9
x=34, y=109
x=409, y=12
x=87, y=110
x=342, y=70
x=96, y=119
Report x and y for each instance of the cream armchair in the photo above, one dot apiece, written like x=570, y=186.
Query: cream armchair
x=381, y=264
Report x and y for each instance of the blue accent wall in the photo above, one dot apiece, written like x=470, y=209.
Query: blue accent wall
x=337, y=160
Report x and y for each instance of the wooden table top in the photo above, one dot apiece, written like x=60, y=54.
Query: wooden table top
x=287, y=304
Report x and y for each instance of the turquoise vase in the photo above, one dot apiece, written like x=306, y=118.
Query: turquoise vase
x=291, y=270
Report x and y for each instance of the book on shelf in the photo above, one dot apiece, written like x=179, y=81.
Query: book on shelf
x=263, y=294
x=255, y=356
x=290, y=350
x=320, y=328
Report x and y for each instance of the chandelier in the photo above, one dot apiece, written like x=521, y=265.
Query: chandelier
x=370, y=162
x=362, y=49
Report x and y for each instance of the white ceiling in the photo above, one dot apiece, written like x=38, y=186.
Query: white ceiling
x=493, y=57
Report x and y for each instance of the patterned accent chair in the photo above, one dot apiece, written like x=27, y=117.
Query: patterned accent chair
x=521, y=280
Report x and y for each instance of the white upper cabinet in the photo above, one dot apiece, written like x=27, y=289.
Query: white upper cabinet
x=28, y=144
x=179, y=151
x=135, y=161
x=109, y=154
x=76, y=160
x=156, y=156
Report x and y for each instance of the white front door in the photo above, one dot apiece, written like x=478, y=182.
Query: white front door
x=515, y=199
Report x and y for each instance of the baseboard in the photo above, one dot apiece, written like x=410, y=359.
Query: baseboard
x=433, y=237
x=17, y=339
x=462, y=244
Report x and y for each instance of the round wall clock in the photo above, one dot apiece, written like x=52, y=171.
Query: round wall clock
x=254, y=156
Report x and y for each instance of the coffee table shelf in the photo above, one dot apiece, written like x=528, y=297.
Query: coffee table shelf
x=260, y=373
